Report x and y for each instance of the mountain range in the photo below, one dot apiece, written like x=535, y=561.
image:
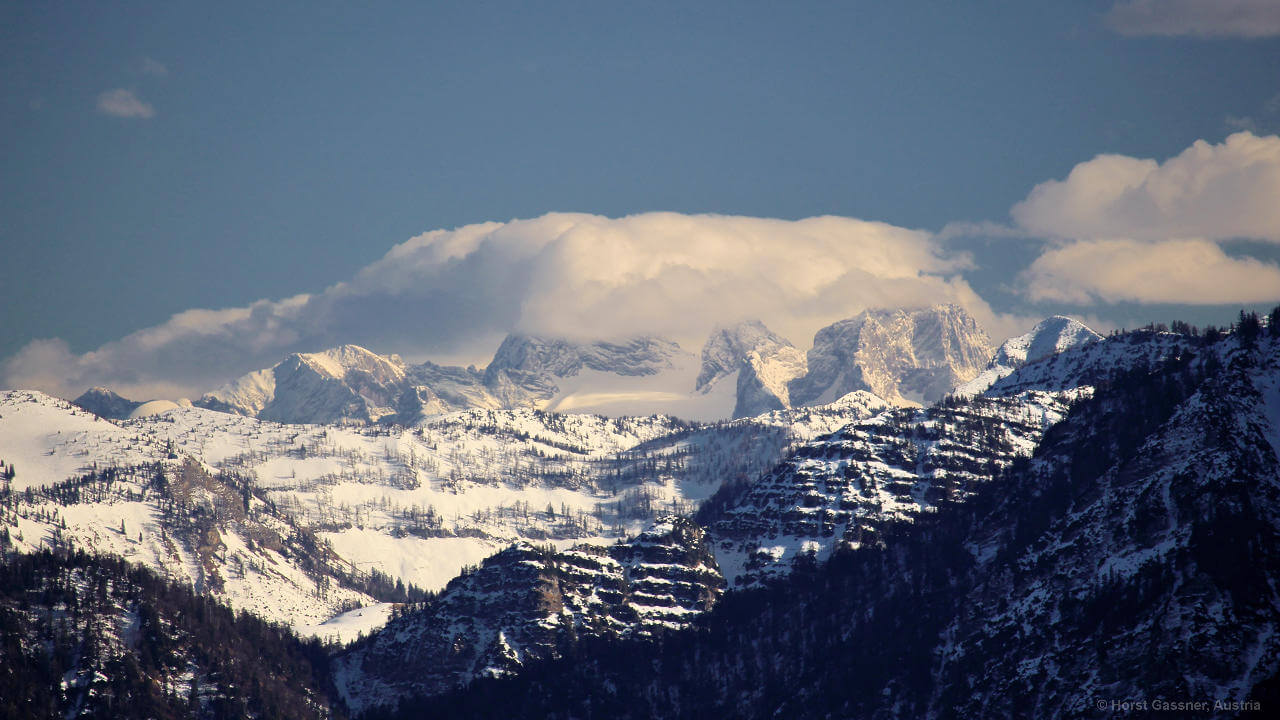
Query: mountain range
x=902, y=522
x=906, y=356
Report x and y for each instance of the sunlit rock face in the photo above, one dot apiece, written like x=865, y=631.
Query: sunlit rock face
x=906, y=356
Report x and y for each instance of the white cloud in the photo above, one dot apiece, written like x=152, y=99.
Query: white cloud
x=1208, y=191
x=1193, y=272
x=452, y=292
x=1204, y=18
x=124, y=104
x=151, y=66
x=1132, y=229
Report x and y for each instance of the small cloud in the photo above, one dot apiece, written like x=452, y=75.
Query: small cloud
x=151, y=66
x=1242, y=123
x=124, y=104
x=36, y=104
x=1200, y=18
x=1265, y=120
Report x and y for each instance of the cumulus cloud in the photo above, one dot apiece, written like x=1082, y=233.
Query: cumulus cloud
x=1208, y=191
x=124, y=103
x=1204, y=18
x=451, y=292
x=1174, y=271
x=1134, y=229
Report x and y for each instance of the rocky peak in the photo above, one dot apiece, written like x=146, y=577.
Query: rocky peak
x=762, y=362
x=106, y=404
x=907, y=356
x=727, y=347
x=246, y=395
x=345, y=383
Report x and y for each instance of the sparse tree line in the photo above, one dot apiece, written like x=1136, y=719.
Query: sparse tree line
x=195, y=507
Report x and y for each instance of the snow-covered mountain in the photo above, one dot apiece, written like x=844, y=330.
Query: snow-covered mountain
x=526, y=355
x=727, y=347
x=346, y=383
x=417, y=504
x=1095, y=363
x=526, y=603
x=1048, y=338
x=906, y=356
x=1164, y=544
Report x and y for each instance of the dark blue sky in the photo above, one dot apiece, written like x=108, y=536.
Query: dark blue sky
x=289, y=144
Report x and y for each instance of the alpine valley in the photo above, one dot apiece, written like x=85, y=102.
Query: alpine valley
x=901, y=521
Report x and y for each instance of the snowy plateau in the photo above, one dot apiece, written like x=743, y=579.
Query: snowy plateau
x=440, y=525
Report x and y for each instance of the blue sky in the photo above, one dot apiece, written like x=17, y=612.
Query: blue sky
x=160, y=157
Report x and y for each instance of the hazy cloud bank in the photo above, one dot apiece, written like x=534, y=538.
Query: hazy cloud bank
x=1204, y=18
x=1175, y=271
x=457, y=291
x=1119, y=229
